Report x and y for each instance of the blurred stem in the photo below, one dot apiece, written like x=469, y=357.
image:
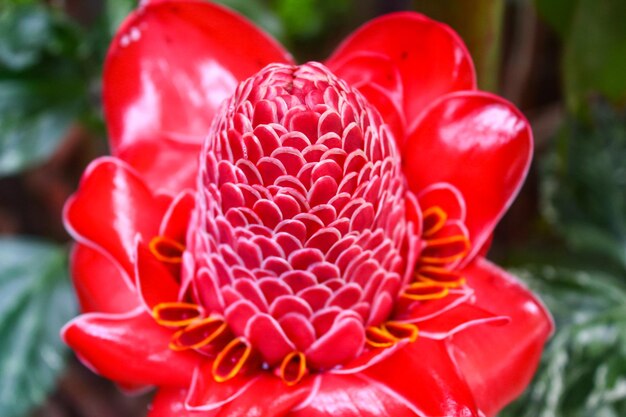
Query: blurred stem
x=479, y=22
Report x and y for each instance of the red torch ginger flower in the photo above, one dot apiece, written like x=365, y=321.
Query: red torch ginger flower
x=273, y=239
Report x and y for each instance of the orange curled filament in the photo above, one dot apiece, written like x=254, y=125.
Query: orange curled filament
x=440, y=276
x=445, y=250
x=231, y=360
x=176, y=314
x=420, y=291
x=378, y=337
x=433, y=220
x=167, y=250
x=198, y=334
x=293, y=368
x=401, y=331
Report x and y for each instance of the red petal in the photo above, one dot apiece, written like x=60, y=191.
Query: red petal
x=170, y=402
x=377, y=77
x=425, y=376
x=100, y=284
x=431, y=58
x=167, y=165
x=129, y=348
x=353, y=396
x=260, y=394
x=111, y=208
x=498, y=362
x=153, y=279
x=176, y=220
x=171, y=65
x=479, y=143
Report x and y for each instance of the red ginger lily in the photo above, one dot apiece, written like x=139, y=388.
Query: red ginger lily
x=280, y=240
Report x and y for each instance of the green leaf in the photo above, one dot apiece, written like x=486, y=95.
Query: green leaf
x=584, y=187
x=37, y=300
x=583, y=370
x=594, y=59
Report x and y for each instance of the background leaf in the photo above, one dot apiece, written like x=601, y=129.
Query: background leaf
x=44, y=83
x=259, y=12
x=583, y=370
x=558, y=13
x=584, y=190
x=37, y=300
x=594, y=56
x=595, y=60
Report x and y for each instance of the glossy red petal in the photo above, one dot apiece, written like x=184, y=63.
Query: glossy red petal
x=479, y=143
x=431, y=58
x=351, y=396
x=424, y=374
x=129, y=348
x=170, y=402
x=100, y=284
x=260, y=393
x=111, y=208
x=171, y=65
x=166, y=165
x=499, y=361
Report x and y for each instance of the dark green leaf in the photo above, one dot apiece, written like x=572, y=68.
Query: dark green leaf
x=585, y=186
x=37, y=300
x=583, y=370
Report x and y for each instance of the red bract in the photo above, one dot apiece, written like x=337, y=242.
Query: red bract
x=274, y=239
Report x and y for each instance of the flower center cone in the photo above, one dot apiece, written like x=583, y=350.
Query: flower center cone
x=301, y=238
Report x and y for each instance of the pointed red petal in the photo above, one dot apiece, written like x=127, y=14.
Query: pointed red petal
x=479, y=143
x=431, y=58
x=171, y=65
x=129, y=348
x=100, y=284
x=111, y=207
x=499, y=361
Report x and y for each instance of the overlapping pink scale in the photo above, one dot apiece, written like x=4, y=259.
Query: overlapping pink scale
x=300, y=235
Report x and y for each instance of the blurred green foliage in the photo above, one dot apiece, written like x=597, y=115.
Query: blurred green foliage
x=44, y=82
x=584, y=190
x=479, y=23
x=594, y=36
x=583, y=370
x=37, y=300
